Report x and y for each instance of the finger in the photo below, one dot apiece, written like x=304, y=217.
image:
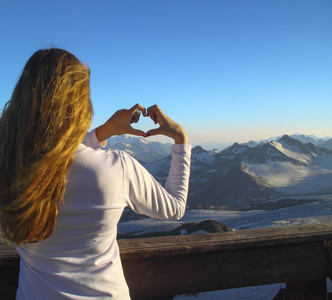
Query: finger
x=137, y=132
x=135, y=117
x=152, y=114
x=154, y=118
x=156, y=114
x=155, y=131
x=152, y=109
x=138, y=107
x=155, y=108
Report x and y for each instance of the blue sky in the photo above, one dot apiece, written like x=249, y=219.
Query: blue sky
x=226, y=70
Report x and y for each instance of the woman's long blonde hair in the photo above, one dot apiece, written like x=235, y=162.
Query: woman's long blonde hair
x=40, y=129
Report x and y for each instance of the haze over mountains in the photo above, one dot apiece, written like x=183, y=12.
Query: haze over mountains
x=256, y=175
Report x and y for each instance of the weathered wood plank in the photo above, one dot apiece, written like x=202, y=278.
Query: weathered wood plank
x=176, y=245
x=197, y=263
x=225, y=269
x=184, y=244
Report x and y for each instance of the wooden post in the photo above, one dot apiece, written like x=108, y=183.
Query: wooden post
x=9, y=272
x=306, y=290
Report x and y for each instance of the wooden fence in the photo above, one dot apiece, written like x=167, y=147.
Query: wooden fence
x=165, y=266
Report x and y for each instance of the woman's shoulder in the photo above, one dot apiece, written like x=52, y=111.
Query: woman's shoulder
x=101, y=158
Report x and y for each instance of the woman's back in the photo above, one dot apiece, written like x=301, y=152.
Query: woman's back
x=81, y=258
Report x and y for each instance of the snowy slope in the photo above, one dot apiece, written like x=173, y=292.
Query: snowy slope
x=313, y=175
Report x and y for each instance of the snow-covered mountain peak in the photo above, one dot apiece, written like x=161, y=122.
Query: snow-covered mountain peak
x=295, y=148
x=232, y=151
x=236, y=148
x=293, y=152
x=198, y=150
x=294, y=145
x=200, y=155
x=305, y=138
x=251, y=144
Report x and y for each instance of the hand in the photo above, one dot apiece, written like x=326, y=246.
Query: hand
x=167, y=126
x=120, y=123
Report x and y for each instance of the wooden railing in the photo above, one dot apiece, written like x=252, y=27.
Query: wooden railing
x=165, y=266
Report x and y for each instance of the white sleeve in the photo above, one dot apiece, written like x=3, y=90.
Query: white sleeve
x=91, y=141
x=146, y=196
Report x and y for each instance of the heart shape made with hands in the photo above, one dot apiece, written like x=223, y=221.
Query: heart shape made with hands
x=122, y=120
x=136, y=117
x=121, y=123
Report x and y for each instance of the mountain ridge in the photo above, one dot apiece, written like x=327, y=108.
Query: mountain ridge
x=250, y=176
x=243, y=177
x=160, y=150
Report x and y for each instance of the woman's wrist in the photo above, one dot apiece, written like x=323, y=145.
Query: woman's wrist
x=101, y=136
x=180, y=137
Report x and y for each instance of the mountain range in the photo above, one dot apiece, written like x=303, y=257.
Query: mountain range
x=321, y=142
x=257, y=175
x=143, y=150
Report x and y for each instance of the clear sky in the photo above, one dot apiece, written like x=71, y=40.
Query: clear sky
x=227, y=70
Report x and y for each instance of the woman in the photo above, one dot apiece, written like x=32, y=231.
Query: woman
x=66, y=232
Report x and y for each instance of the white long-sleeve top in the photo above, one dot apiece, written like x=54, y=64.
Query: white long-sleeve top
x=81, y=258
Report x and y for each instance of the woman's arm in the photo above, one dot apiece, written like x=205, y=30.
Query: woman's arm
x=145, y=195
x=142, y=192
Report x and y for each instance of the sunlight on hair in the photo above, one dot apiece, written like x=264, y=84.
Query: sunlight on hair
x=40, y=130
